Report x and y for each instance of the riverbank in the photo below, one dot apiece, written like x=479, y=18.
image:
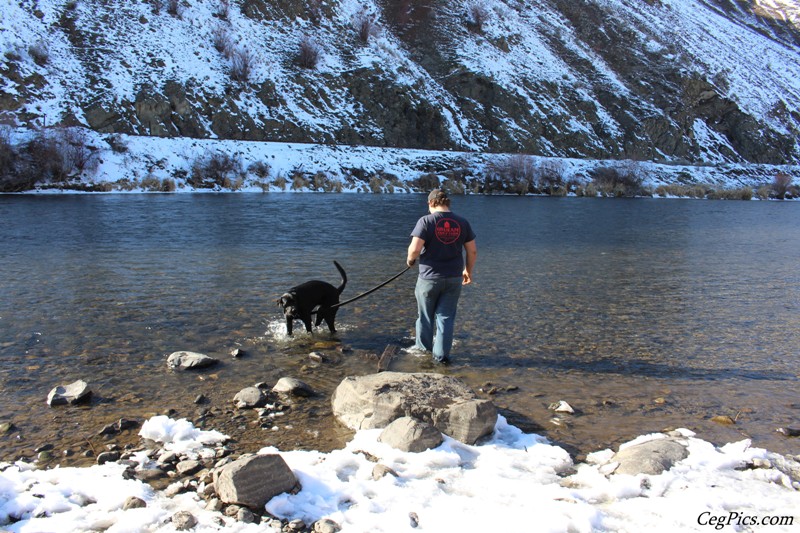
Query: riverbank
x=512, y=481
x=82, y=160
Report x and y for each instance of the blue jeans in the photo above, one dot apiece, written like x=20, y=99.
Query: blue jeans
x=437, y=300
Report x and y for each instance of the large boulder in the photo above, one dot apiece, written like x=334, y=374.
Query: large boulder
x=376, y=400
x=651, y=457
x=253, y=480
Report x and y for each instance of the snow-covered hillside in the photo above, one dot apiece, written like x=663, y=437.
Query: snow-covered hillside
x=670, y=81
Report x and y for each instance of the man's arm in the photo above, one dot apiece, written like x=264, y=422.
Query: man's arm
x=414, y=249
x=472, y=256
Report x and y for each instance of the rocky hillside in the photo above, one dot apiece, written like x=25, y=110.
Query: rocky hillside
x=670, y=81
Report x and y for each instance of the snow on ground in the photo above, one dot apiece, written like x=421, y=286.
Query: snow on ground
x=513, y=482
x=159, y=158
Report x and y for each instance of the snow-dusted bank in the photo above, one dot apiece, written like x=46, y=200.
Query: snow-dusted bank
x=130, y=163
x=512, y=482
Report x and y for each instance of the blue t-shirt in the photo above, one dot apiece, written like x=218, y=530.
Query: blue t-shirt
x=444, y=234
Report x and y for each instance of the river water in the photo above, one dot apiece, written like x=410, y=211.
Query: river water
x=642, y=314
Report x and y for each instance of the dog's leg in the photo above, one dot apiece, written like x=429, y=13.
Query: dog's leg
x=289, y=326
x=307, y=321
x=330, y=319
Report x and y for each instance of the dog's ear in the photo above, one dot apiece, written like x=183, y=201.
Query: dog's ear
x=285, y=299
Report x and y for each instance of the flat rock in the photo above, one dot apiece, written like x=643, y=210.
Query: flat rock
x=190, y=360
x=376, y=400
x=75, y=392
x=652, y=457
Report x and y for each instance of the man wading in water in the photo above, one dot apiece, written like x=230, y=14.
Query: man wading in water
x=437, y=240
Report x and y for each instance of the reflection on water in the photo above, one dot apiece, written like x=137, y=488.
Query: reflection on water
x=642, y=314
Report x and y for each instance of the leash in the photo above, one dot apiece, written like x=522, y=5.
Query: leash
x=388, y=281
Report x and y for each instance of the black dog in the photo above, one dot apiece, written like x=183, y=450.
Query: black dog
x=299, y=302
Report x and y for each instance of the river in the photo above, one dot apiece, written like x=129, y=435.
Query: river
x=642, y=314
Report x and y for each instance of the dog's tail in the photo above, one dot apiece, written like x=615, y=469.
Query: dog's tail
x=340, y=288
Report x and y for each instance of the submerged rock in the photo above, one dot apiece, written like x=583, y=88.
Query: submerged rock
x=190, y=360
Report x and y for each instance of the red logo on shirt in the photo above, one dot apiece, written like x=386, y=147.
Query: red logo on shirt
x=448, y=231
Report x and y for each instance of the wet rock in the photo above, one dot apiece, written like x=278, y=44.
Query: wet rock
x=183, y=521
x=410, y=435
x=292, y=387
x=133, y=503
x=254, y=480
x=562, y=407
x=6, y=427
x=120, y=425
x=237, y=352
x=107, y=457
x=789, y=432
x=190, y=360
x=250, y=397
x=724, y=420
x=200, y=398
x=75, y=392
x=652, y=457
x=326, y=525
x=376, y=400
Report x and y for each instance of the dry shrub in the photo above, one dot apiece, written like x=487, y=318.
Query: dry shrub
x=224, y=9
x=515, y=174
x=40, y=53
x=550, y=177
x=426, y=182
x=217, y=170
x=280, y=182
x=174, y=8
x=260, y=169
x=308, y=54
x=477, y=15
x=376, y=184
x=741, y=193
x=299, y=181
x=242, y=61
x=222, y=41
x=620, y=180
x=780, y=185
x=365, y=26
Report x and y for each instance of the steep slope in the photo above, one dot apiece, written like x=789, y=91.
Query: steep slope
x=698, y=81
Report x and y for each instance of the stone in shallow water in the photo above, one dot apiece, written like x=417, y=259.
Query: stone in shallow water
x=190, y=360
x=75, y=392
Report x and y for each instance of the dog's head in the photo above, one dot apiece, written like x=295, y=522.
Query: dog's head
x=287, y=302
